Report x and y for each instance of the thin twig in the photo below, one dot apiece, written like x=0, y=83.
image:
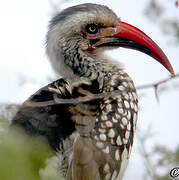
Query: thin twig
x=77, y=100
x=153, y=85
x=156, y=85
x=92, y=97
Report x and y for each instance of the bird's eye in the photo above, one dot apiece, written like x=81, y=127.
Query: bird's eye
x=92, y=28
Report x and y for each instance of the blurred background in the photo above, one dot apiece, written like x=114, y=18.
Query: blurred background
x=24, y=68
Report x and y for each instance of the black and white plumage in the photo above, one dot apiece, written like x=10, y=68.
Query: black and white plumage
x=104, y=127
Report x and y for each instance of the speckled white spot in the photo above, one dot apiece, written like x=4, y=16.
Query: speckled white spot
x=119, y=99
x=117, y=116
x=111, y=88
x=114, y=76
x=106, y=168
x=103, y=125
x=106, y=150
x=120, y=110
x=113, y=142
x=135, y=108
x=114, y=175
x=114, y=120
x=135, y=118
x=104, y=117
x=117, y=155
x=102, y=137
x=132, y=105
x=111, y=133
x=124, y=140
x=128, y=78
x=124, y=163
x=119, y=105
x=126, y=96
x=125, y=84
x=134, y=95
x=121, y=88
x=112, y=82
x=128, y=115
x=102, y=130
x=130, y=96
x=129, y=126
x=122, y=126
x=109, y=124
x=123, y=77
x=130, y=84
x=122, y=72
x=108, y=107
x=119, y=141
x=96, y=138
x=126, y=103
x=99, y=145
x=129, y=151
x=107, y=101
x=124, y=121
x=125, y=112
x=127, y=134
x=124, y=154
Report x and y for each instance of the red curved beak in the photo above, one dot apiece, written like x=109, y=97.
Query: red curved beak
x=131, y=37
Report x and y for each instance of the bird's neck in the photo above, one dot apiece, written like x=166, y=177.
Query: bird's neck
x=88, y=65
x=79, y=67
x=80, y=63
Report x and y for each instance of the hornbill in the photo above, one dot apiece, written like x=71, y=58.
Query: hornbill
x=89, y=115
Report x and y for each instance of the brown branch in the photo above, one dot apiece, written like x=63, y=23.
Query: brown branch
x=155, y=85
x=92, y=97
x=78, y=100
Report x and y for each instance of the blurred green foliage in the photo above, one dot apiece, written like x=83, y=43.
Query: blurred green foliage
x=22, y=157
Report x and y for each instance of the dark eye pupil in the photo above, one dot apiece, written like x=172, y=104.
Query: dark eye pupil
x=92, y=28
